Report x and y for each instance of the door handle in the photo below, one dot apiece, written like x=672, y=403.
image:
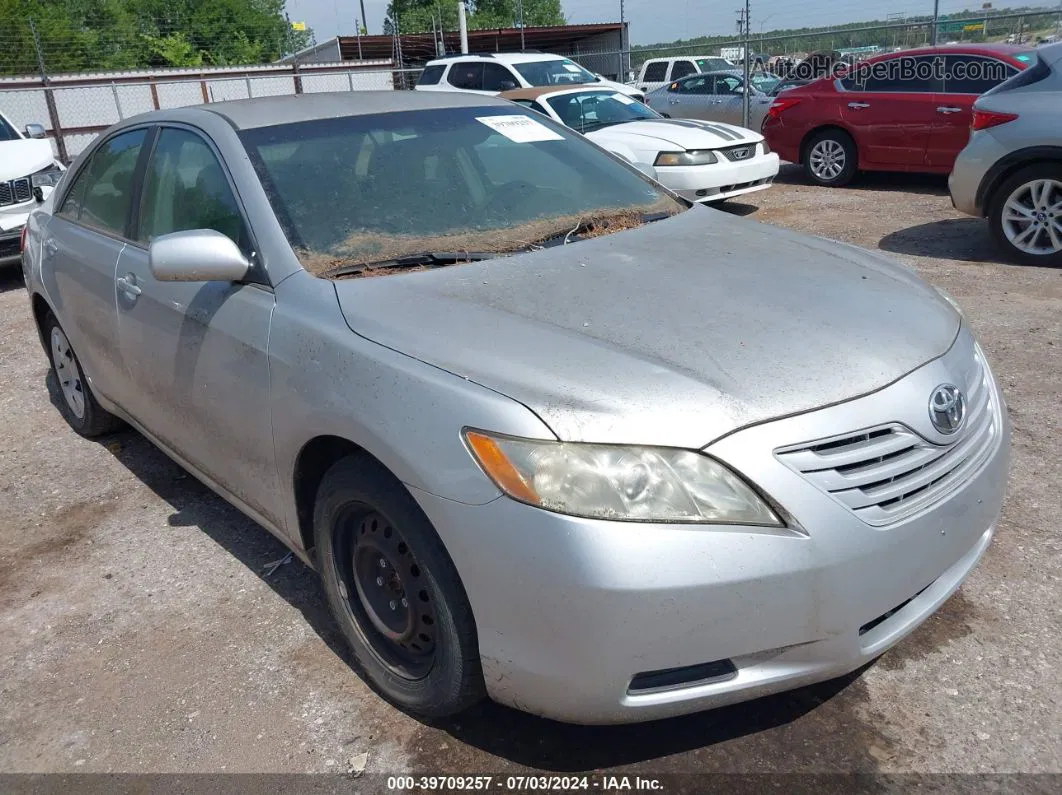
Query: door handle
x=859, y=105
x=127, y=284
x=949, y=110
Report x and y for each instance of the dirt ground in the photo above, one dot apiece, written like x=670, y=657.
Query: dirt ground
x=140, y=630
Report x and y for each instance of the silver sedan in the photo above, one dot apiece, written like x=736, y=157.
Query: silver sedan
x=548, y=433
x=714, y=96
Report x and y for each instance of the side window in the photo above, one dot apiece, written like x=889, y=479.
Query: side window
x=696, y=85
x=108, y=191
x=972, y=74
x=185, y=188
x=431, y=75
x=903, y=75
x=682, y=68
x=727, y=85
x=497, y=78
x=656, y=72
x=71, y=207
x=467, y=75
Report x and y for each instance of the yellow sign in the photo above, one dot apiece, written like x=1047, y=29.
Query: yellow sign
x=978, y=26
x=298, y=26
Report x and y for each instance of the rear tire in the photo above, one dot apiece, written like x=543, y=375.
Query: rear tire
x=395, y=592
x=831, y=158
x=1023, y=213
x=76, y=402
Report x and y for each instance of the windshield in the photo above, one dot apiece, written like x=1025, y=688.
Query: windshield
x=373, y=188
x=765, y=83
x=7, y=132
x=587, y=111
x=713, y=64
x=556, y=71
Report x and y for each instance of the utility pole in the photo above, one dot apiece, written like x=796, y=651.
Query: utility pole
x=744, y=28
x=623, y=44
x=357, y=26
x=936, y=21
x=520, y=15
x=364, y=19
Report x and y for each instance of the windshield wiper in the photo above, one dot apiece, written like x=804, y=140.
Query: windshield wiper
x=575, y=234
x=430, y=259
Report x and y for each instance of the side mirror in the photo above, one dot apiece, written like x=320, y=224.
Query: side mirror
x=506, y=85
x=36, y=131
x=198, y=255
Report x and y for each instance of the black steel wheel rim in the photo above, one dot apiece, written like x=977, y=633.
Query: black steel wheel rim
x=385, y=590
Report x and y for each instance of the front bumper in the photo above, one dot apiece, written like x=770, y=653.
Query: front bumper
x=12, y=219
x=570, y=610
x=721, y=180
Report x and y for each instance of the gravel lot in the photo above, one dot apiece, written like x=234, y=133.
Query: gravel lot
x=141, y=631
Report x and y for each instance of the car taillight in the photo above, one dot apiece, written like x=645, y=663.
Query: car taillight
x=983, y=119
x=780, y=106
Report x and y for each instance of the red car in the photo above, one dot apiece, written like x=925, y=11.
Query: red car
x=905, y=111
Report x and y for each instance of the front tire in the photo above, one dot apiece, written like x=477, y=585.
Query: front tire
x=76, y=402
x=831, y=159
x=395, y=592
x=1025, y=215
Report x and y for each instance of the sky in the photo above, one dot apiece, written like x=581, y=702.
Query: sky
x=654, y=21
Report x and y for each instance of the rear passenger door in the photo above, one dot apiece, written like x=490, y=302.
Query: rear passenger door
x=81, y=248
x=195, y=352
x=966, y=77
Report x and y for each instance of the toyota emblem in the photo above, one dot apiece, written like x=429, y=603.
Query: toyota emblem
x=947, y=408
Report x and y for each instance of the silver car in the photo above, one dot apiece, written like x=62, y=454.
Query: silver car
x=1011, y=170
x=577, y=445
x=715, y=96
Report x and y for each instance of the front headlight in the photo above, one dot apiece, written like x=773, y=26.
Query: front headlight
x=619, y=483
x=696, y=157
x=47, y=178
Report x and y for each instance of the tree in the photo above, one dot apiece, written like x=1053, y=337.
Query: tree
x=94, y=35
x=415, y=16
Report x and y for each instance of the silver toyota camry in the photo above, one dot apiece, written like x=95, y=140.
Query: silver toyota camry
x=548, y=433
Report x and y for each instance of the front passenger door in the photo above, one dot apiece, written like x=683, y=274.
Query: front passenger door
x=195, y=352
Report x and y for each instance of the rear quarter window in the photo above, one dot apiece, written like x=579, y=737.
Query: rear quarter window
x=431, y=75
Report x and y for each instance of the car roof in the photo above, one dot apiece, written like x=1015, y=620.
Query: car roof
x=542, y=91
x=502, y=57
x=956, y=49
x=245, y=114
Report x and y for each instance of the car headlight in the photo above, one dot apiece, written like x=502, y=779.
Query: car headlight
x=619, y=483
x=47, y=178
x=696, y=157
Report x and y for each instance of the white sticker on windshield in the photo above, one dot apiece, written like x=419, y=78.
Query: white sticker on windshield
x=624, y=99
x=572, y=68
x=521, y=129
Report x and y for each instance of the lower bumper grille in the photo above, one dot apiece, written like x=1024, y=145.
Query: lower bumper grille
x=675, y=678
x=886, y=473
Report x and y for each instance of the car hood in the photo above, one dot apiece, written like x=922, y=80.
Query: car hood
x=675, y=333
x=23, y=157
x=682, y=134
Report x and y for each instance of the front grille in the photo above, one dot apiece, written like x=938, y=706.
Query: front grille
x=738, y=153
x=889, y=472
x=16, y=191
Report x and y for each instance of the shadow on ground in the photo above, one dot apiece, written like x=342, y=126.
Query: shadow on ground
x=11, y=278
x=963, y=239
x=889, y=181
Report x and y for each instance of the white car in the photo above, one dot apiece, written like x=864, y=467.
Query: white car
x=493, y=73
x=700, y=161
x=28, y=173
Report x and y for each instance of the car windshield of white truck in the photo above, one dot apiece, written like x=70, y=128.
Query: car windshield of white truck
x=430, y=184
x=556, y=71
x=587, y=111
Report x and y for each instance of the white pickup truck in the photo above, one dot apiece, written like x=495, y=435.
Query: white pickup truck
x=660, y=71
x=28, y=173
